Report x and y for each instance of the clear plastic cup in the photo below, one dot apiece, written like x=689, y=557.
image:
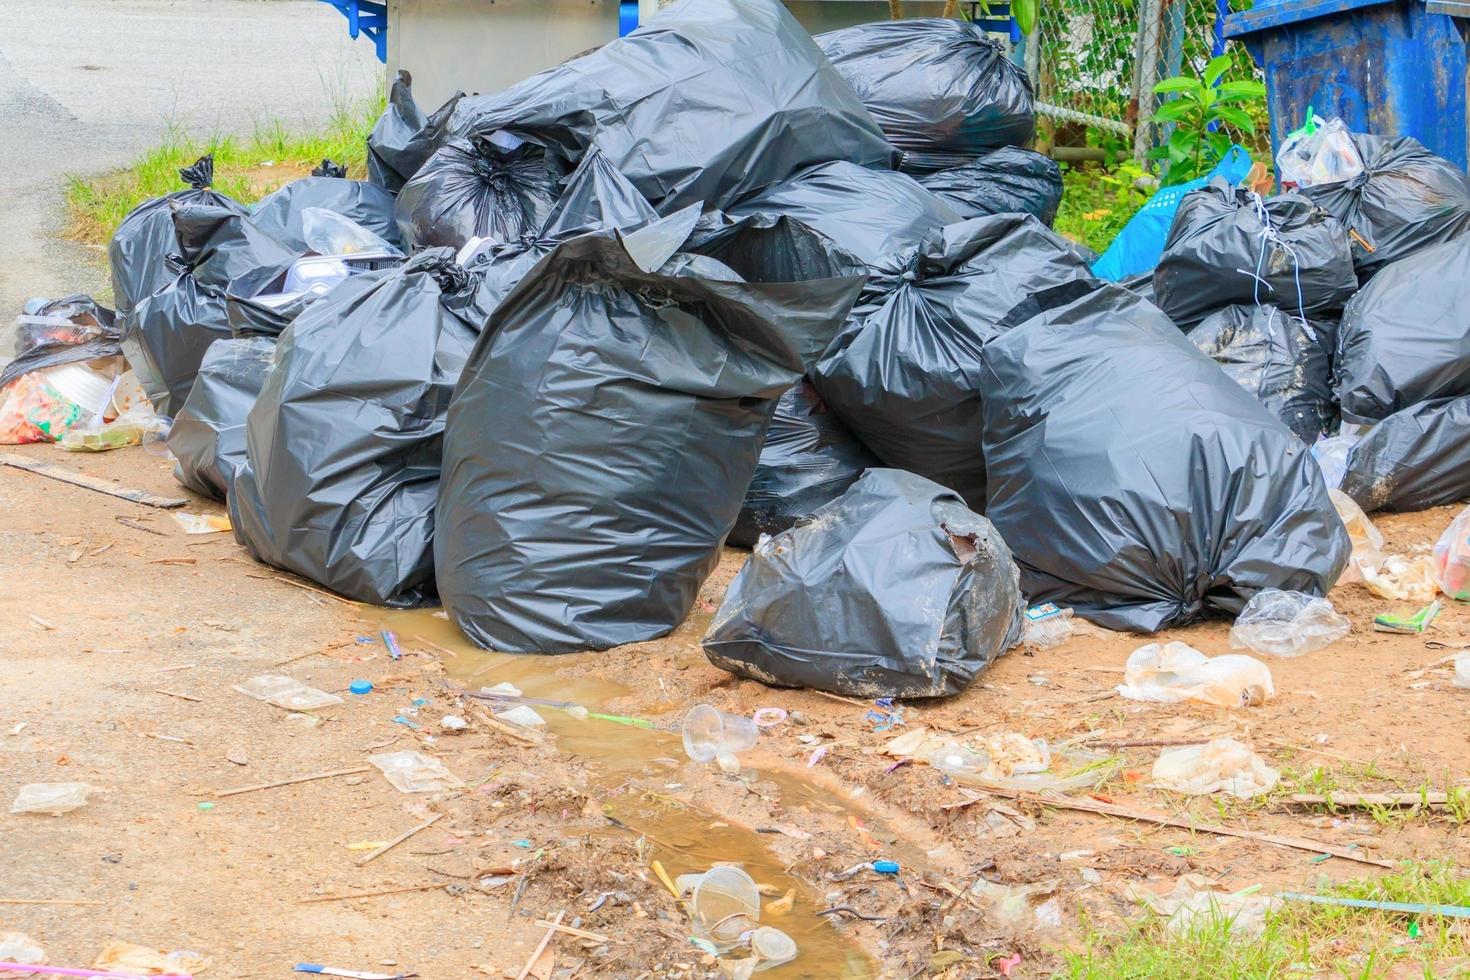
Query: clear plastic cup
x=709, y=732
x=155, y=435
x=771, y=947
x=725, y=905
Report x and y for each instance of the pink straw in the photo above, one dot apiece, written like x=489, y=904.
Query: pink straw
x=70, y=972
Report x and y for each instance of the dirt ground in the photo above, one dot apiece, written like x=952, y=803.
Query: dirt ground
x=121, y=643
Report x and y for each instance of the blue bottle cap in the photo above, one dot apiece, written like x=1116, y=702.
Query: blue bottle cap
x=886, y=867
x=360, y=687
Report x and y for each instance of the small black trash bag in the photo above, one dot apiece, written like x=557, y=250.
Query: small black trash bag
x=1405, y=199
x=343, y=444
x=894, y=590
x=1281, y=359
x=809, y=459
x=943, y=90
x=207, y=439
x=140, y=248
x=280, y=212
x=165, y=338
x=1138, y=484
x=610, y=419
x=1416, y=458
x=1009, y=180
x=477, y=189
x=1405, y=338
x=1228, y=245
x=68, y=330
x=706, y=103
x=404, y=138
x=904, y=370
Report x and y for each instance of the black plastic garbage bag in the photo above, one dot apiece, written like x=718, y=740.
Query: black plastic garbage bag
x=1138, y=484
x=808, y=460
x=904, y=371
x=1228, y=245
x=257, y=304
x=279, y=213
x=1405, y=338
x=1278, y=357
x=343, y=444
x=69, y=330
x=207, y=439
x=477, y=190
x=1414, y=459
x=943, y=90
x=896, y=589
x=610, y=419
x=140, y=248
x=1405, y=199
x=706, y=103
x=165, y=338
x=404, y=137
x=1009, y=180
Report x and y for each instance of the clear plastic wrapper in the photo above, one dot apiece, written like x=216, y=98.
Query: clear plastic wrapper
x=1287, y=624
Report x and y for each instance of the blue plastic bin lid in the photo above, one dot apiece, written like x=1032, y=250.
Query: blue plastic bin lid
x=1269, y=15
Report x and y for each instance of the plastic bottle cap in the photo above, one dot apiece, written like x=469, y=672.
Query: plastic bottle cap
x=886, y=867
x=360, y=687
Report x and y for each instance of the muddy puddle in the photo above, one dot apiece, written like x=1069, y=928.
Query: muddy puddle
x=681, y=836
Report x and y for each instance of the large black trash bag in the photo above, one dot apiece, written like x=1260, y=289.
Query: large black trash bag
x=1005, y=181
x=343, y=444
x=1405, y=199
x=904, y=370
x=1278, y=357
x=610, y=419
x=404, y=137
x=1138, y=484
x=68, y=330
x=140, y=248
x=707, y=102
x=207, y=439
x=1228, y=245
x=476, y=189
x=896, y=589
x=943, y=91
x=809, y=459
x=1415, y=458
x=166, y=336
x=279, y=213
x=1405, y=338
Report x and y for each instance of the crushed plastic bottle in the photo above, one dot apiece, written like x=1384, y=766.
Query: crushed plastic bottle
x=51, y=798
x=1451, y=558
x=1287, y=624
x=1223, y=765
x=1175, y=671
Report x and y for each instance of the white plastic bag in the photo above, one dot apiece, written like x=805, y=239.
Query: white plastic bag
x=52, y=798
x=1287, y=624
x=1174, y=671
x=1319, y=153
x=1223, y=765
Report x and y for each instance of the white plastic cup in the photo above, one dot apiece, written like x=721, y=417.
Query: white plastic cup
x=709, y=732
x=725, y=905
x=772, y=947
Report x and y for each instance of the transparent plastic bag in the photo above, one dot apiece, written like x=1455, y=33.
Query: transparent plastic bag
x=1174, y=671
x=1367, y=540
x=414, y=772
x=1319, y=153
x=329, y=233
x=1331, y=455
x=1046, y=626
x=1223, y=765
x=1287, y=624
x=286, y=692
x=1451, y=558
x=52, y=798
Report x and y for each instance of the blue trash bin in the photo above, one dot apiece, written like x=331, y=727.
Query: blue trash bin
x=1387, y=67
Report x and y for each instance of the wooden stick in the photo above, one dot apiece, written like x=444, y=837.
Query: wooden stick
x=576, y=932
x=1374, y=799
x=837, y=697
x=126, y=522
x=49, y=901
x=1145, y=743
x=174, y=561
x=484, y=717
x=161, y=670
x=436, y=646
x=308, y=588
x=89, y=482
x=292, y=781
x=541, y=946
x=176, y=694
x=374, y=894
x=1307, y=748
x=398, y=840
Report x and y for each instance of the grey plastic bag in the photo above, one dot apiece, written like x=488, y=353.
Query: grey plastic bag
x=1416, y=458
x=1009, y=180
x=207, y=438
x=367, y=204
x=477, y=189
x=404, y=137
x=68, y=330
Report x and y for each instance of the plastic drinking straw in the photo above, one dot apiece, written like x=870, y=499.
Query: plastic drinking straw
x=66, y=971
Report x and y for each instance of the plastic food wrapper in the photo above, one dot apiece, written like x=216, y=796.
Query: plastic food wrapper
x=293, y=216
x=1416, y=458
x=1402, y=577
x=414, y=772
x=404, y=137
x=1005, y=181
x=1198, y=902
x=326, y=232
x=207, y=439
x=1022, y=907
x=130, y=958
x=286, y=692
x=895, y=589
x=1047, y=625
x=17, y=947
x=1223, y=765
x=495, y=189
x=201, y=523
x=51, y=798
x=1287, y=624
x=1451, y=558
x=1320, y=152
x=127, y=429
x=1175, y=671
x=1366, y=539
x=46, y=405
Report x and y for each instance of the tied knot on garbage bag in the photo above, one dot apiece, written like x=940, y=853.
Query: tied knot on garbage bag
x=329, y=168
x=489, y=188
x=199, y=174
x=404, y=136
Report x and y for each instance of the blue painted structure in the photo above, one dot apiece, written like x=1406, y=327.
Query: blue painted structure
x=1388, y=67
x=366, y=17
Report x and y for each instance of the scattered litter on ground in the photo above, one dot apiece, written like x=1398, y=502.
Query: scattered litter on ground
x=1224, y=765
x=414, y=772
x=51, y=798
x=1412, y=623
x=1287, y=624
x=1175, y=671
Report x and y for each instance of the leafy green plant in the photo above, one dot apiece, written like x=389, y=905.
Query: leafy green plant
x=1201, y=118
x=1098, y=202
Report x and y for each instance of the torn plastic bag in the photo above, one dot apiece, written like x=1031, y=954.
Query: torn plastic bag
x=258, y=304
x=943, y=90
x=1406, y=199
x=1230, y=245
x=1135, y=482
x=280, y=213
x=610, y=419
x=894, y=590
x=207, y=438
x=477, y=189
x=809, y=459
x=166, y=337
x=404, y=138
x=343, y=444
x=1416, y=458
x=140, y=250
x=1005, y=181
x=708, y=102
x=69, y=330
x=904, y=371
x=1279, y=358
x=1405, y=338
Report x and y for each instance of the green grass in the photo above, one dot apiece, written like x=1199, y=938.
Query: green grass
x=1097, y=202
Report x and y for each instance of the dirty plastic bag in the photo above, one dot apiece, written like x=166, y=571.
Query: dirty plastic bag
x=1318, y=153
x=1451, y=558
x=1134, y=481
x=282, y=213
x=1222, y=765
x=404, y=137
x=53, y=799
x=343, y=443
x=704, y=104
x=497, y=189
x=904, y=372
x=1229, y=245
x=1279, y=358
x=943, y=90
x=1367, y=540
x=207, y=438
x=895, y=589
x=1009, y=180
x=50, y=404
x=1171, y=672
x=1416, y=458
x=1287, y=624
x=70, y=330
x=610, y=418
x=1405, y=337
x=809, y=459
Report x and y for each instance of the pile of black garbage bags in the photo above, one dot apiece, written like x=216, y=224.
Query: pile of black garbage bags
x=718, y=282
